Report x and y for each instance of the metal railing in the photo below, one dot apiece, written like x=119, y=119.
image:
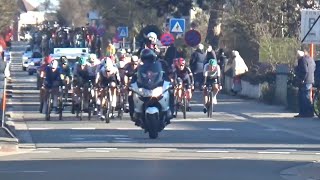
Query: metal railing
x=4, y=101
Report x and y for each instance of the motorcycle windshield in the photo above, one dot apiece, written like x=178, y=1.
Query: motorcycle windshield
x=150, y=75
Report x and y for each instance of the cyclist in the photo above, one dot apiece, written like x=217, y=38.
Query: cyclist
x=211, y=73
x=46, y=62
x=108, y=77
x=183, y=77
x=65, y=70
x=93, y=68
x=81, y=79
x=53, y=81
x=130, y=73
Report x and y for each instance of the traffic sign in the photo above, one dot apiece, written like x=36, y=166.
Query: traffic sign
x=177, y=25
x=167, y=39
x=192, y=38
x=308, y=18
x=123, y=32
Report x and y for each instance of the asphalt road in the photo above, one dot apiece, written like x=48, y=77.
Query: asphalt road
x=228, y=146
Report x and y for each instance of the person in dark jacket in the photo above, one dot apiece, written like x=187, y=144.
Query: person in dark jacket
x=222, y=61
x=171, y=53
x=305, y=74
x=210, y=54
x=198, y=58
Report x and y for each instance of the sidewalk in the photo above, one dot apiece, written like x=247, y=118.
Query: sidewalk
x=7, y=143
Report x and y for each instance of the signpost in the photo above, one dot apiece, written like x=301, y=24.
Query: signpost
x=192, y=38
x=177, y=25
x=123, y=33
x=310, y=26
x=167, y=39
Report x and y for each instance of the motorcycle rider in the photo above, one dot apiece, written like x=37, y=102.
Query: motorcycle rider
x=183, y=77
x=148, y=56
x=152, y=42
x=211, y=73
x=108, y=77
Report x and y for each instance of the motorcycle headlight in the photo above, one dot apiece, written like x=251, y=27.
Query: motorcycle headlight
x=156, y=92
x=31, y=63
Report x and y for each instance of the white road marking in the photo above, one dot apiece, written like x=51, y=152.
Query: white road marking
x=123, y=138
x=97, y=135
x=123, y=141
x=317, y=153
x=195, y=120
x=290, y=150
x=221, y=129
x=101, y=148
x=84, y=128
x=158, y=150
x=93, y=141
x=132, y=128
x=38, y=128
x=101, y=151
x=275, y=152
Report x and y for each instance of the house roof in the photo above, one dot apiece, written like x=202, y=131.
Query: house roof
x=25, y=6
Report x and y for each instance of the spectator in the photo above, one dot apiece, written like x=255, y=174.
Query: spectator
x=239, y=67
x=110, y=50
x=210, y=54
x=305, y=74
x=222, y=61
x=171, y=53
x=197, y=61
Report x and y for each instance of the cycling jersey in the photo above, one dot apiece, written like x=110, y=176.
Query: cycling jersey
x=212, y=74
x=106, y=77
x=184, y=75
x=52, y=77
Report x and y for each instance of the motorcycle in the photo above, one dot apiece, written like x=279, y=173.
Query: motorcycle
x=151, y=99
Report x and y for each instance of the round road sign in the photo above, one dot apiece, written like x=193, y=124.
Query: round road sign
x=167, y=39
x=192, y=38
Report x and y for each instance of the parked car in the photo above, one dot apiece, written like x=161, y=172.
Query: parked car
x=34, y=62
x=25, y=58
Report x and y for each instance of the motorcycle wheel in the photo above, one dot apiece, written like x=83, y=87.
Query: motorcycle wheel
x=152, y=125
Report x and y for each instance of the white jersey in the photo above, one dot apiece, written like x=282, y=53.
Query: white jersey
x=211, y=73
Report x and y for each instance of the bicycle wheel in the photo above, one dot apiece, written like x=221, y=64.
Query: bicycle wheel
x=184, y=106
x=108, y=111
x=210, y=107
x=48, y=110
x=316, y=104
x=121, y=107
x=81, y=106
x=60, y=106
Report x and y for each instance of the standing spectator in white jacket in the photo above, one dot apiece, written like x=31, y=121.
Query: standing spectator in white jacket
x=239, y=67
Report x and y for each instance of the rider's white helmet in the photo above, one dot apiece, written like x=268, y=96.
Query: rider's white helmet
x=54, y=64
x=152, y=36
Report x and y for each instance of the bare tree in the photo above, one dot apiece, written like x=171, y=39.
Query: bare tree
x=74, y=12
x=8, y=10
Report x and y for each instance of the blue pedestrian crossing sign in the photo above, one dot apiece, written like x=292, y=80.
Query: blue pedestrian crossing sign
x=177, y=25
x=123, y=32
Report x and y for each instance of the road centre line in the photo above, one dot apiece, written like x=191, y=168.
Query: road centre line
x=101, y=148
x=38, y=128
x=48, y=148
x=84, y=128
x=221, y=129
x=275, y=152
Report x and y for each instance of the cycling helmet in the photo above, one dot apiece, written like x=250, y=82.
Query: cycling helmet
x=64, y=60
x=108, y=65
x=134, y=59
x=152, y=35
x=92, y=58
x=54, y=64
x=213, y=62
x=82, y=60
x=147, y=55
x=181, y=62
x=48, y=59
